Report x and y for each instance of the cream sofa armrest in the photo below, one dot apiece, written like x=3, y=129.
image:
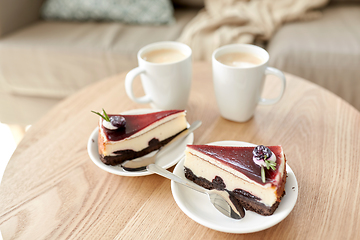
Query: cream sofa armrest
x=15, y=14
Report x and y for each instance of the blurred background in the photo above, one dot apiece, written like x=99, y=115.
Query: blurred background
x=50, y=49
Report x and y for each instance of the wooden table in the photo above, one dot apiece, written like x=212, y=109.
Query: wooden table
x=52, y=190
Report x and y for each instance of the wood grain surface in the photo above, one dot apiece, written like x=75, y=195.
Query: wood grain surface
x=52, y=190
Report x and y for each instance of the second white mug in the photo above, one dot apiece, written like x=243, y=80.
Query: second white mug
x=165, y=69
x=238, y=74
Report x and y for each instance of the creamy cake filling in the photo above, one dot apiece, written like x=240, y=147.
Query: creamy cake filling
x=208, y=168
x=160, y=130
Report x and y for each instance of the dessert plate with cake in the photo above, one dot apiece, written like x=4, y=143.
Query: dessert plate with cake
x=137, y=134
x=257, y=176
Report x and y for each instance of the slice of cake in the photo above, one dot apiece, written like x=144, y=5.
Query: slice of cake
x=126, y=137
x=256, y=176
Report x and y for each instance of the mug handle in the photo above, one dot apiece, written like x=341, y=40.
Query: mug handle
x=279, y=74
x=129, y=86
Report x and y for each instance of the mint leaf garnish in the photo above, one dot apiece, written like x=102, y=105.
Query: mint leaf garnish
x=261, y=157
x=105, y=117
x=270, y=164
x=262, y=174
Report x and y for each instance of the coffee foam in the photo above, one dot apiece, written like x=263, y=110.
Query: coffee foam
x=240, y=59
x=164, y=55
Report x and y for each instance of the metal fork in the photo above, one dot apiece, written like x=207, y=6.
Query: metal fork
x=135, y=166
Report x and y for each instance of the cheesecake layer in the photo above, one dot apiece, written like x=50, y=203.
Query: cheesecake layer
x=142, y=135
x=239, y=161
x=246, y=200
x=238, y=173
x=137, y=125
x=123, y=155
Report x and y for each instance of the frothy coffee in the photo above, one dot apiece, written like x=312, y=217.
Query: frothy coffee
x=163, y=56
x=240, y=59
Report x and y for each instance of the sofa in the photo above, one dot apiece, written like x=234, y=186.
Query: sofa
x=43, y=62
x=325, y=51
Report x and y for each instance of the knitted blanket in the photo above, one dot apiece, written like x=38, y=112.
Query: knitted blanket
x=224, y=22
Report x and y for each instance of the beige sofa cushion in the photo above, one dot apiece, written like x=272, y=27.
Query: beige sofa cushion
x=50, y=60
x=23, y=110
x=325, y=51
x=55, y=59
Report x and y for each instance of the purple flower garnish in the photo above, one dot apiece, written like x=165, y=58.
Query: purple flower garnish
x=261, y=156
x=261, y=152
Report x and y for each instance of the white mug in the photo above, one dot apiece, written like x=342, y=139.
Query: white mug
x=238, y=86
x=166, y=83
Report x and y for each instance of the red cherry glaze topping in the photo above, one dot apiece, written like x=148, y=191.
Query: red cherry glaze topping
x=261, y=152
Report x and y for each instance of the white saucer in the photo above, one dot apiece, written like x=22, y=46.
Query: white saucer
x=197, y=206
x=166, y=160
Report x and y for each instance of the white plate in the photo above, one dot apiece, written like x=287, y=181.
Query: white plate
x=198, y=207
x=166, y=160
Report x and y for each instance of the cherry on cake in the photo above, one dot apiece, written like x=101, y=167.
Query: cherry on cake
x=126, y=137
x=255, y=176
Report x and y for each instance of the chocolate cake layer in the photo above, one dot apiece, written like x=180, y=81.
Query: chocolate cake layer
x=247, y=200
x=124, y=155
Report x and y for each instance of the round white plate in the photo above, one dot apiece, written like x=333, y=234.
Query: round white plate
x=197, y=206
x=166, y=160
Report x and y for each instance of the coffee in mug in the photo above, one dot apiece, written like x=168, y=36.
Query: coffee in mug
x=240, y=59
x=163, y=56
x=165, y=69
x=238, y=74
